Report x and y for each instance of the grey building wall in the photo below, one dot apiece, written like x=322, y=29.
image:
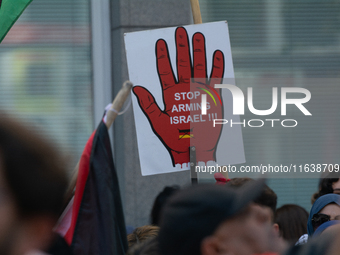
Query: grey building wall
x=138, y=192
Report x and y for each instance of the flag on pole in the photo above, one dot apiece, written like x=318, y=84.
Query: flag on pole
x=93, y=223
x=10, y=11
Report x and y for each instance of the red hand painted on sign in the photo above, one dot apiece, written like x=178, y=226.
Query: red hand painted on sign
x=178, y=126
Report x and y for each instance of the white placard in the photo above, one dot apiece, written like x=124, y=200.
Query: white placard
x=157, y=154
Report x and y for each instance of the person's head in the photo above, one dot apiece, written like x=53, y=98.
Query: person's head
x=267, y=197
x=325, y=227
x=336, y=187
x=32, y=186
x=292, y=222
x=148, y=247
x=212, y=219
x=325, y=208
x=328, y=183
x=141, y=234
x=160, y=201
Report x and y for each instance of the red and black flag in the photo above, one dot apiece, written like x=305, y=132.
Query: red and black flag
x=94, y=221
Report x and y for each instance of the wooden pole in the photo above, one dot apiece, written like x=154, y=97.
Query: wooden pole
x=193, y=173
x=118, y=103
x=196, y=14
x=196, y=11
x=110, y=118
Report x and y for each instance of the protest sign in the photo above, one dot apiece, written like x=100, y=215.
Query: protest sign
x=167, y=103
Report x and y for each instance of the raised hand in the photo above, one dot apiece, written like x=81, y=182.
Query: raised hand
x=180, y=124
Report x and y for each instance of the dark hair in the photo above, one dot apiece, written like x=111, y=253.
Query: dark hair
x=32, y=169
x=267, y=198
x=160, y=201
x=292, y=220
x=325, y=187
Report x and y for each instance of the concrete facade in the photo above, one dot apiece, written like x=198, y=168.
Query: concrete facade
x=138, y=192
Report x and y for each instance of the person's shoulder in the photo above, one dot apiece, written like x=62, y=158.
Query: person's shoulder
x=302, y=240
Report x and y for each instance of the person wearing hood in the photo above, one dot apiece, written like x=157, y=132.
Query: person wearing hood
x=325, y=208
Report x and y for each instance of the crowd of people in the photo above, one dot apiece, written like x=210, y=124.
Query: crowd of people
x=239, y=216
x=236, y=216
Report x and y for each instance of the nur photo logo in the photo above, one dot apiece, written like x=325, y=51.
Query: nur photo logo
x=239, y=103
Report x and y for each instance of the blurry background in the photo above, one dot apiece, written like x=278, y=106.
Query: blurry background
x=278, y=43
x=46, y=72
x=51, y=78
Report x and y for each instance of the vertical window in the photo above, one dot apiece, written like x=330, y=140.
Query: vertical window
x=282, y=43
x=46, y=73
